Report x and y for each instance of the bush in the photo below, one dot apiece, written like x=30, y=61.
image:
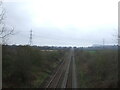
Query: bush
x=25, y=66
x=98, y=69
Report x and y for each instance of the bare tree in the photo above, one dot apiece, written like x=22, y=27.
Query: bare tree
x=5, y=31
x=118, y=38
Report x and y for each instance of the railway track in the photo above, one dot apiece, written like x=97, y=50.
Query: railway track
x=63, y=78
x=55, y=79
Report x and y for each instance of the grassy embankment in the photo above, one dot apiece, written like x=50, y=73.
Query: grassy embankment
x=25, y=66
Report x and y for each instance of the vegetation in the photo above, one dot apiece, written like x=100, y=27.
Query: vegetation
x=97, y=69
x=25, y=66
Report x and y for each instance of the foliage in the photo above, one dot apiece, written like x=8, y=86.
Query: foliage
x=97, y=69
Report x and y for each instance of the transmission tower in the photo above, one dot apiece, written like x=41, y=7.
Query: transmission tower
x=30, y=39
x=103, y=43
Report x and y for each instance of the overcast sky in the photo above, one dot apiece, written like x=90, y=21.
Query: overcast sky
x=63, y=22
